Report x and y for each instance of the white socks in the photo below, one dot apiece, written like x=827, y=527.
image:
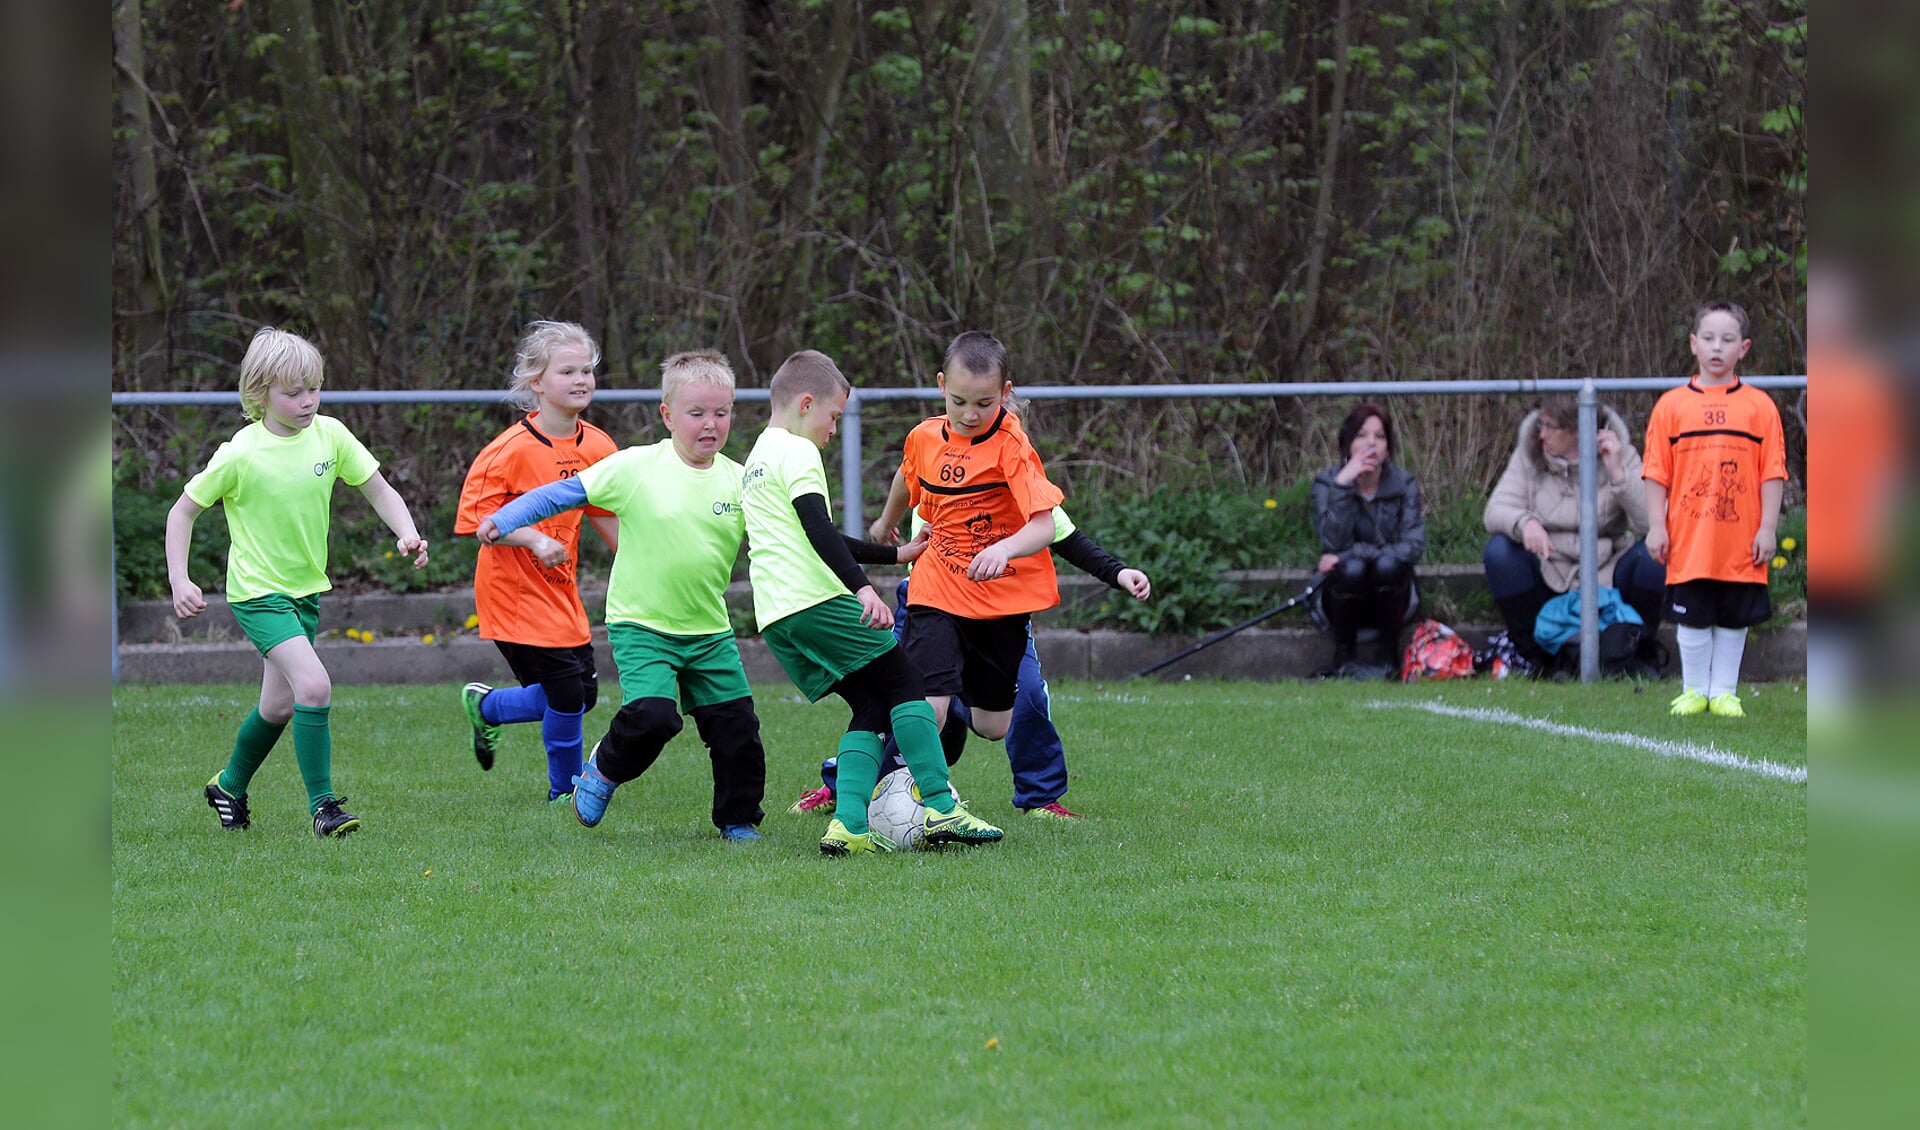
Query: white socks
x=1710, y=659
x=1729, y=644
x=1696, y=657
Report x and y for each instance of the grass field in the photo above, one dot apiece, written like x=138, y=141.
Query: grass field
x=1290, y=904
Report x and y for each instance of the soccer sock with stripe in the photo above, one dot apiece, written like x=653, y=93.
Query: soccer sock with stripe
x=313, y=748
x=1729, y=647
x=505, y=705
x=919, y=738
x=859, y=770
x=250, y=749
x=1696, y=657
x=562, y=734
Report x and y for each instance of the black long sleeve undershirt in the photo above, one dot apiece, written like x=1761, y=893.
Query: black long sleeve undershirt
x=841, y=553
x=1083, y=552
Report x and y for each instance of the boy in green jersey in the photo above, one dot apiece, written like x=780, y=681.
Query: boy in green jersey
x=275, y=477
x=823, y=621
x=678, y=503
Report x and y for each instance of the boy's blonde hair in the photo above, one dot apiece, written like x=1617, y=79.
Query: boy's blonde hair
x=535, y=353
x=276, y=357
x=808, y=371
x=694, y=367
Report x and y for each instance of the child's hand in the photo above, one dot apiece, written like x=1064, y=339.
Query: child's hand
x=1135, y=582
x=913, y=549
x=187, y=600
x=416, y=548
x=1763, y=546
x=551, y=552
x=881, y=533
x=987, y=564
x=487, y=532
x=873, y=611
x=1657, y=544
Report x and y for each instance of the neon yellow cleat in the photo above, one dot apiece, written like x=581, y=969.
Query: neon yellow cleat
x=959, y=827
x=838, y=841
x=1727, y=706
x=1687, y=703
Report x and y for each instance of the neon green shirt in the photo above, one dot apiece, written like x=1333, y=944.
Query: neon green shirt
x=788, y=576
x=680, y=530
x=278, y=491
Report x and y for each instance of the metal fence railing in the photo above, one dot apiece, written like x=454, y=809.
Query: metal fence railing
x=852, y=454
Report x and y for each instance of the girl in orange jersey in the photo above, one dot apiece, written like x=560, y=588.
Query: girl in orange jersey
x=525, y=588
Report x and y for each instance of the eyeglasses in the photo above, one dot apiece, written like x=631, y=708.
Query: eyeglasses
x=1549, y=426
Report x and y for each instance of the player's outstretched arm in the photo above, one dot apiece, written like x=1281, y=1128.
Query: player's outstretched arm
x=188, y=601
x=393, y=511
x=534, y=506
x=1084, y=553
x=886, y=528
x=1029, y=539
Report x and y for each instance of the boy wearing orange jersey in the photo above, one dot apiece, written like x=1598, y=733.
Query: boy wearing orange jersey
x=977, y=481
x=1715, y=468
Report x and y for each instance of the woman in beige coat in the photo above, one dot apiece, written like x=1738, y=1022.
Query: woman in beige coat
x=1534, y=517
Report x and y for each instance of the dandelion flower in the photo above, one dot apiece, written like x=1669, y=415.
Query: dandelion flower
x=1270, y=504
x=473, y=621
x=1779, y=563
x=389, y=554
x=993, y=1043
x=428, y=638
x=1789, y=543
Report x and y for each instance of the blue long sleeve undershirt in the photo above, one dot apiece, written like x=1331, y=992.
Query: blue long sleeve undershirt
x=540, y=504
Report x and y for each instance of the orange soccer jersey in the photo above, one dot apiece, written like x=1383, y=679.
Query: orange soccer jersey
x=974, y=491
x=520, y=600
x=1712, y=447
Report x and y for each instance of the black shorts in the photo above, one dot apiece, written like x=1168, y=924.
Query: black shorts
x=1718, y=604
x=532, y=664
x=979, y=660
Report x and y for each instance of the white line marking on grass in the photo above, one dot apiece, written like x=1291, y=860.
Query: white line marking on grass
x=1706, y=755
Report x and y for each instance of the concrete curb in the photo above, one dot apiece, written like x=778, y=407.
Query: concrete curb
x=1259, y=654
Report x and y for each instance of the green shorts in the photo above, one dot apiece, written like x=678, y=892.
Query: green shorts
x=698, y=670
x=273, y=619
x=819, y=646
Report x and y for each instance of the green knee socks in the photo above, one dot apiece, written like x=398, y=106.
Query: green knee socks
x=250, y=749
x=919, y=741
x=313, y=748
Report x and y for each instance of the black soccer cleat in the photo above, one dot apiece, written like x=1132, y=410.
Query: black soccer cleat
x=232, y=810
x=331, y=820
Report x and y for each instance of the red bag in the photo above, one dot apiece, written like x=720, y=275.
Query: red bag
x=1436, y=652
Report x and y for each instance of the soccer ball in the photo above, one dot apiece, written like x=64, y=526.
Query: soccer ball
x=896, y=812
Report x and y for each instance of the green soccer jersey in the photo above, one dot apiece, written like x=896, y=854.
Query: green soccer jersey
x=680, y=530
x=278, y=491
x=788, y=576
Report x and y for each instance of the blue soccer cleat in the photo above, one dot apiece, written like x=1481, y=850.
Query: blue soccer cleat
x=591, y=792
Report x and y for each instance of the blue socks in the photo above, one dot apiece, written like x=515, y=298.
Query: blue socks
x=504, y=705
x=564, y=740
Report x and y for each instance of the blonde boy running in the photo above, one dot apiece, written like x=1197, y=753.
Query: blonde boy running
x=678, y=503
x=525, y=588
x=275, y=477
x=823, y=621
x=1715, y=469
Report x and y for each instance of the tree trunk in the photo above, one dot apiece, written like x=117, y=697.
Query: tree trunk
x=148, y=283
x=1323, y=206
x=821, y=108
x=1002, y=92
x=337, y=279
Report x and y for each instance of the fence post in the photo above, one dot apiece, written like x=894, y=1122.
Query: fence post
x=1589, y=534
x=851, y=520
